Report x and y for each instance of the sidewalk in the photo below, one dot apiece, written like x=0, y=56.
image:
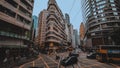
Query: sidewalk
x=15, y=64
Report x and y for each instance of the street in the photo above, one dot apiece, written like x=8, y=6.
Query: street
x=48, y=61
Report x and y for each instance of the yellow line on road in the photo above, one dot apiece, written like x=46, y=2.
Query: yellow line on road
x=52, y=60
x=45, y=62
x=28, y=63
x=33, y=64
x=115, y=65
x=91, y=65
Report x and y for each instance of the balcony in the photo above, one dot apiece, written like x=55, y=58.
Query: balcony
x=49, y=35
x=103, y=22
x=24, y=15
x=7, y=5
x=25, y=7
x=53, y=40
x=30, y=2
x=13, y=21
x=13, y=35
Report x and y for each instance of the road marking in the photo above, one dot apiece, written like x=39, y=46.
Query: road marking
x=45, y=63
x=115, y=65
x=33, y=63
x=79, y=66
x=28, y=63
x=52, y=60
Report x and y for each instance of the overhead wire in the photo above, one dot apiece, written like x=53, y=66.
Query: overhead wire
x=72, y=6
x=77, y=13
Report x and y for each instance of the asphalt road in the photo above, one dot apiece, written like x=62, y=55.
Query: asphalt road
x=48, y=61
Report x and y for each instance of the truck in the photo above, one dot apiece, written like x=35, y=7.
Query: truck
x=108, y=53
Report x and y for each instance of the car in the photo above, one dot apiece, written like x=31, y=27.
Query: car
x=78, y=50
x=74, y=53
x=92, y=55
x=69, y=61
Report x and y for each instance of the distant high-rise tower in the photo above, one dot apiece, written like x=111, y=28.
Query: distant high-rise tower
x=35, y=22
x=82, y=31
x=68, y=27
x=42, y=27
x=101, y=17
x=76, y=40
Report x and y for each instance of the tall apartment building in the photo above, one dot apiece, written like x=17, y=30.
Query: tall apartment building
x=76, y=40
x=35, y=23
x=15, y=22
x=101, y=17
x=42, y=27
x=82, y=33
x=34, y=29
x=52, y=26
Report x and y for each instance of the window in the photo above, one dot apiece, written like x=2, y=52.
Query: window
x=7, y=11
x=117, y=18
x=103, y=19
x=95, y=16
x=14, y=4
x=102, y=2
x=115, y=13
x=114, y=9
x=95, y=13
x=112, y=4
x=102, y=6
x=97, y=0
x=111, y=0
x=102, y=15
x=100, y=11
x=94, y=9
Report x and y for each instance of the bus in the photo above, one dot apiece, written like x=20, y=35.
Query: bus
x=108, y=53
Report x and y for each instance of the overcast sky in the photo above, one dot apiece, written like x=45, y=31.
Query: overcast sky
x=72, y=7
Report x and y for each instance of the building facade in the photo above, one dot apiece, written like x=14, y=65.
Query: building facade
x=34, y=29
x=68, y=27
x=35, y=21
x=101, y=17
x=42, y=28
x=53, y=28
x=82, y=33
x=76, y=40
x=15, y=22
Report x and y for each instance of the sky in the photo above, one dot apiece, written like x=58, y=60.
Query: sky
x=72, y=7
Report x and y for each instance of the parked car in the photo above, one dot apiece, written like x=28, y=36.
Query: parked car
x=92, y=55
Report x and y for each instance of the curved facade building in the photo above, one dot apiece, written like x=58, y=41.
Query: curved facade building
x=101, y=17
x=52, y=27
